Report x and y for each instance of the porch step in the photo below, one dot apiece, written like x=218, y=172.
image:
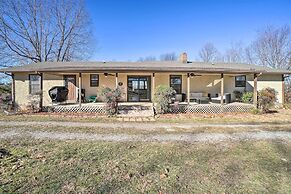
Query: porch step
x=136, y=119
x=135, y=111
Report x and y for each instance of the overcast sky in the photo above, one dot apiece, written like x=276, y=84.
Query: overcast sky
x=129, y=29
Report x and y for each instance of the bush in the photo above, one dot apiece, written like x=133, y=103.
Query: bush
x=266, y=99
x=247, y=97
x=34, y=103
x=5, y=89
x=238, y=95
x=288, y=97
x=287, y=94
x=111, y=97
x=255, y=111
x=162, y=98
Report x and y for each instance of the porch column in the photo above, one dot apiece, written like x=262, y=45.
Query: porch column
x=283, y=89
x=222, y=89
x=255, y=92
x=153, y=85
x=188, y=88
x=116, y=80
x=13, y=91
x=80, y=89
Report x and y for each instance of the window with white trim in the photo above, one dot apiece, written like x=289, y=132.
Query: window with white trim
x=240, y=81
x=34, y=84
x=94, y=80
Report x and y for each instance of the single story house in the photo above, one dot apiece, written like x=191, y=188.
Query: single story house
x=140, y=79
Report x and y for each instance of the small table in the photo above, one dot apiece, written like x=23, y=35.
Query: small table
x=201, y=100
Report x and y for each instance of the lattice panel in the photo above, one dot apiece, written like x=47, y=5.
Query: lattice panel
x=199, y=108
x=178, y=109
x=90, y=109
x=211, y=108
x=238, y=108
x=203, y=108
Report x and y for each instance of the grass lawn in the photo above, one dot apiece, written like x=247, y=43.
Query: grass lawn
x=36, y=166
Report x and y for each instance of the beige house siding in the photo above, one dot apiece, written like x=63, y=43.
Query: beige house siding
x=21, y=89
x=264, y=81
x=204, y=83
x=49, y=81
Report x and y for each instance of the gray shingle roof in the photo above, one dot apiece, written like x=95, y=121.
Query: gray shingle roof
x=156, y=66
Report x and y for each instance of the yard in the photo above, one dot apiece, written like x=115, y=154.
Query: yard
x=43, y=166
x=241, y=153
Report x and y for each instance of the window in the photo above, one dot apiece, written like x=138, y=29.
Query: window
x=240, y=81
x=34, y=84
x=176, y=83
x=94, y=80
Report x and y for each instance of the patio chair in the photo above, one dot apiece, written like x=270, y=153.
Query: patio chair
x=226, y=98
x=91, y=99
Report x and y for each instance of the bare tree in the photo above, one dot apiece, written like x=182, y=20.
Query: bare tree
x=272, y=47
x=43, y=30
x=208, y=53
x=249, y=55
x=236, y=54
x=148, y=58
x=169, y=57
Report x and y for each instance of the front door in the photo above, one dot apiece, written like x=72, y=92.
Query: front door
x=138, y=88
x=70, y=83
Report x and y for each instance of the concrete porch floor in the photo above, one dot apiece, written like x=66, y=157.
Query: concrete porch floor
x=120, y=104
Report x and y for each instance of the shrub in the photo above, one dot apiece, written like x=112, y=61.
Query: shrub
x=287, y=93
x=111, y=97
x=288, y=97
x=5, y=89
x=247, y=97
x=266, y=99
x=238, y=95
x=255, y=111
x=33, y=103
x=162, y=98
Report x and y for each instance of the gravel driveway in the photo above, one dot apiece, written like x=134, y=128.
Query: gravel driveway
x=134, y=125
x=183, y=137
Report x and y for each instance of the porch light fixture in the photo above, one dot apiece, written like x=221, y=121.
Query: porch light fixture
x=193, y=75
x=108, y=74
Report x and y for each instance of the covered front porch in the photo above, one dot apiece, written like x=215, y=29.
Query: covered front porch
x=191, y=88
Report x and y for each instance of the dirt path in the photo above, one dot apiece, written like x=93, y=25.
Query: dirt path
x=183, y=137
x=135, y=125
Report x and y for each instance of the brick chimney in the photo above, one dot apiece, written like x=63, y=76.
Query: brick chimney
x=183, y=57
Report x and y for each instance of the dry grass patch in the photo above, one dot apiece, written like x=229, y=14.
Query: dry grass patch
x=282, y=116
x=82, y=167
x=278, y=116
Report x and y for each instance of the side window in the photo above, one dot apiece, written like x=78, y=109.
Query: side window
x=176, y=83
x=240, y=81
x=34, y=83
x=94, y=80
